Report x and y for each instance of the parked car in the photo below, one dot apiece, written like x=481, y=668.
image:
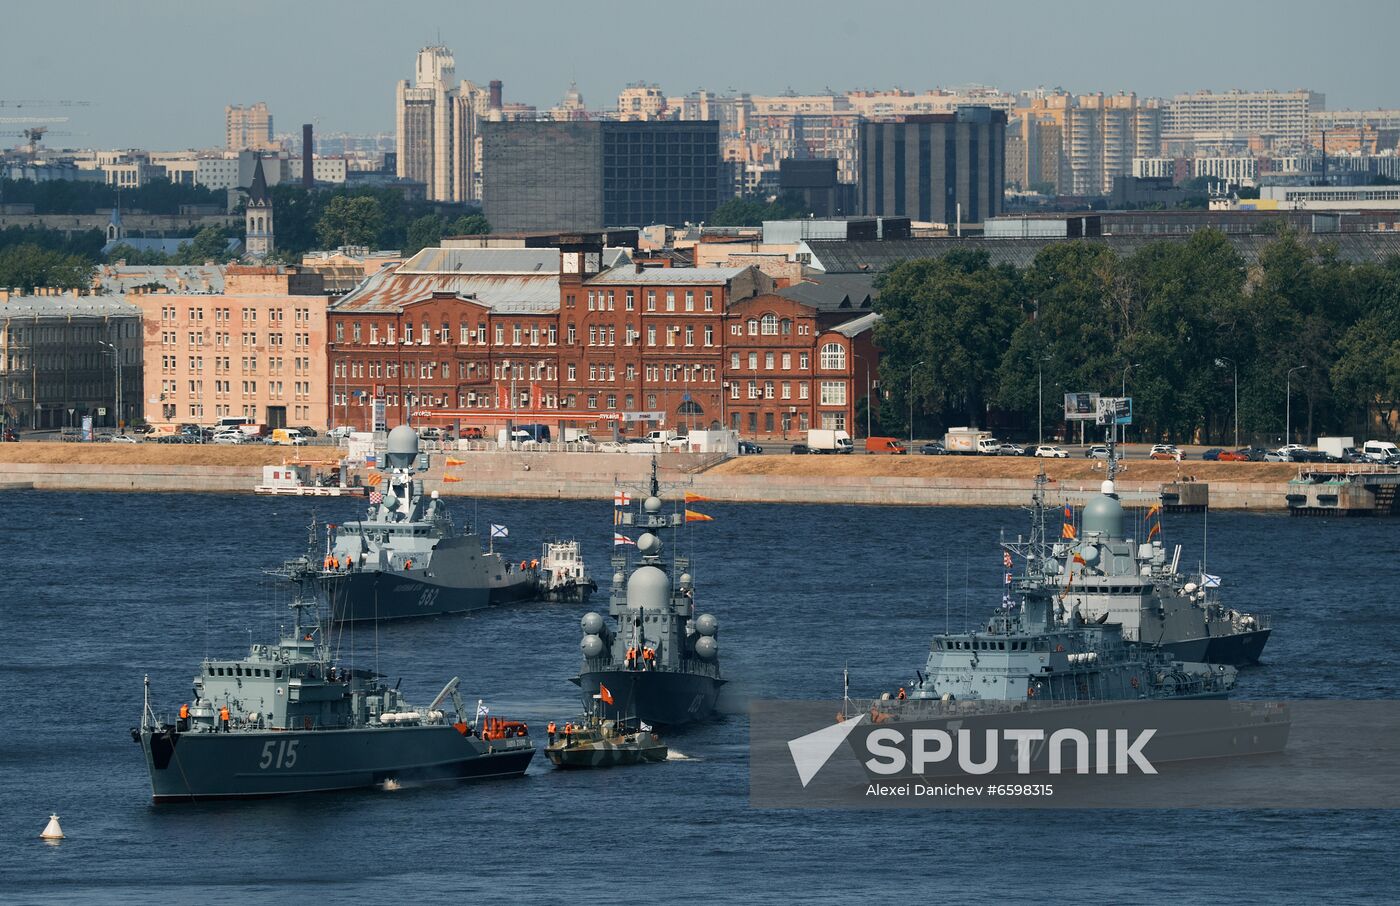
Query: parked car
x=612, y=446
x=1165, y=451
x=230, y=437
x=125, y=439
x=1229, y=455
x=142, y=429
x=1010, y=449
x=933, y=448
x=1277, y=456
x=1050, y=451
x=341, y=431
x=749, y=448
x=307, y=431
x=1252, y=454
x=801, y=448
x=1212, y=455
x=1097, y=451
x=472, y=433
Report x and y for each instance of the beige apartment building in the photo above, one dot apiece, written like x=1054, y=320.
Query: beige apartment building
x=256, y=349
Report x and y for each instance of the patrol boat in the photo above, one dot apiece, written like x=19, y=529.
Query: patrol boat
x=658, y=662
x=405, y=558
x=600, y=743
x=1104, y=573
x=287, y=719
x=563, y=576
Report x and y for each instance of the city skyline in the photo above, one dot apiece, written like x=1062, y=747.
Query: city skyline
x=124, y=62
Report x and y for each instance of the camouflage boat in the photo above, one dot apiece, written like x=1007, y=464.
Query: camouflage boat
x=600, y=743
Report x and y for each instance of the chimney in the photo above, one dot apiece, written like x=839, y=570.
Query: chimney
x=308, y=179
x=495, y=95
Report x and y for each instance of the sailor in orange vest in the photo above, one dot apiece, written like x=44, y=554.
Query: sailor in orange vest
x=568, y=734
x=902, y=695
x=329, y=563
x=552, y=730
x=223, y=718
x=649, y=658
x=185, y=716
x=631, y=657
x=408, y=564
x=535, y=564
x=349, y=562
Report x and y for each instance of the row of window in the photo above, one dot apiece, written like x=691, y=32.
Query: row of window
x=249, y=314
x=606, y=300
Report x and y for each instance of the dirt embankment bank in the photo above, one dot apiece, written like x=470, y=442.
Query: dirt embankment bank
x=987, y=467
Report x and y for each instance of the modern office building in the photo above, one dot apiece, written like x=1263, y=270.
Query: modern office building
x=1282, y=115
x=248, y=128
x=436, y=127
x=593, y=175
x=935, y=168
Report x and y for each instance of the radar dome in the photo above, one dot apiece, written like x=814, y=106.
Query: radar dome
x=685, y=580
x=591, y=646
x=648, y=588
x=652, y=504
x=592, y=623
x=648, y=544
x=706, y=647
x=706, y=624
x=618, y=577
x=403, y=439
x=1104, y=514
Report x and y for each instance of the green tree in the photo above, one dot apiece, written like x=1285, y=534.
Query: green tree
x=27, y=267
x=943, y=332
x=424, y=232
x=469, y=225
x=209, y=244
x=350, y=221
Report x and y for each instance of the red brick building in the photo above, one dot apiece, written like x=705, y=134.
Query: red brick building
x=495, y=331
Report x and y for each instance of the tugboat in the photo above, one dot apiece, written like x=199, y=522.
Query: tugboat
x=658, y=661
x=563, y=577
x=288, y=719
x=1098, y=569
x=405, y=559
x=598, y=743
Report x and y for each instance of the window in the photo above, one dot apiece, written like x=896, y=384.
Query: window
x=515, y=335
x=612, y=300
x=631, y=301
x=466, y=333
x=573, y=372
x=787, y=390
x=734, y=361
x=787, y=361
x=590, y=300
x=753, y=390
x=651, y=335
x=736, y=329
x=768, y=361
x=500, y=335
x=356, y=332
x=734, y=390
x=690, y=336
x=770, y=325
x=833, y=393
x=802, y=390
x=592, y=336
x=690, y=300
x=709, y=300
x=753, y=361
x=570, y=335
x=833, y=357
x=709, y=336
x=651, y=300
x=802, y=361
x=768, y=390
x=753, y=327
x=408, y=332
x=670, y=300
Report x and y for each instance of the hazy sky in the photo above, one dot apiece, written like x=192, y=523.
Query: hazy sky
x=159, y=72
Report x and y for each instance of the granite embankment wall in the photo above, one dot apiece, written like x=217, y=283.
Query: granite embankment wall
x=596, y=476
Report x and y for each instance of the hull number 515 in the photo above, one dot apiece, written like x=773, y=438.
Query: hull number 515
x=279, y=754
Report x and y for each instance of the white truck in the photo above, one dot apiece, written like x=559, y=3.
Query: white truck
x=971, y=442
x=578, y=436
x=660, y=436
x=822, y=440
x=1335, y=446
x=1379, y=451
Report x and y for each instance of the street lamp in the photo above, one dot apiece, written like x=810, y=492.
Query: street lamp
x=911, y=402
x=117, y=390
x=1220, y=363
x=1040, y=399
x=1123, y=392
x=867, y=390
x=1288, y=404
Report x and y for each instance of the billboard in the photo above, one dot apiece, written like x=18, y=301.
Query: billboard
x=1115, y=410
x=1081, y=407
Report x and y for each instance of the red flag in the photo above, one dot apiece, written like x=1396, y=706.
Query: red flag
x=604, y=694
x=691, y=497
x=692, y=516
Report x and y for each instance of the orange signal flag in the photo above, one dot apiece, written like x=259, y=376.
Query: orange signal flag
x=1154, y=510
x=1078, y=558
x=1067, y=532
x=604, y=694
x=691, y=497
x=1156, y=527
x=450, y=478
x=456, y=462
x=692, y=516
x=374, y=479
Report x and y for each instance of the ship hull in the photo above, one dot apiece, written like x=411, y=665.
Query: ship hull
x=372, y=595
x=186, y=767
x=1237, y=649
x=659, y=697
x=594, y=756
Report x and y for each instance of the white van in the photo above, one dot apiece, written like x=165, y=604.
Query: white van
x=1379, y=450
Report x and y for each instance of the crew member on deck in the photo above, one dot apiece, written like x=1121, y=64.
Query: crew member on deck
x=631, y=661
x=223, y=718
x=184, y=716
x=552, y=730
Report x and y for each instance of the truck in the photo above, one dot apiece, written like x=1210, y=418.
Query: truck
x=1379, y=451
x=821, y=440
x=1336, y=447
x=577, y=436
x=891, y=446
x=971, y=442
x=660, y=436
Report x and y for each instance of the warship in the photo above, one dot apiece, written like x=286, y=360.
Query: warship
x=406, y=559
x=658, y=661
x=288, y=719
x=1100, y=570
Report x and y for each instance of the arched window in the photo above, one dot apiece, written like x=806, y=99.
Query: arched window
x=833, y=357
x=770, y=325
x=787, y=327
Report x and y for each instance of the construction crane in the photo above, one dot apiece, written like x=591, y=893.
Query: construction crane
x=35, y=127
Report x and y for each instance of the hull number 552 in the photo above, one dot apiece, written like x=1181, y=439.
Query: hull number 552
x=279, y=754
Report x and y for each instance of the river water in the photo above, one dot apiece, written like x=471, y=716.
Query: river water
x=101, y=589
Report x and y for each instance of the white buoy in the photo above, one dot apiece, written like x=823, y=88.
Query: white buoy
x=52, y=831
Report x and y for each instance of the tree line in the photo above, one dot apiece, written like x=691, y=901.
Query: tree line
x=968, y=342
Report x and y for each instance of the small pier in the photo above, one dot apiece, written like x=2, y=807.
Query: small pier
x=1186, y=496
x=1342, y=491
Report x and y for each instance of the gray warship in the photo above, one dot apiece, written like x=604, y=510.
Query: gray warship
x=658, y=662
x=406, y=559
x=1136, y=584
x=287, y=719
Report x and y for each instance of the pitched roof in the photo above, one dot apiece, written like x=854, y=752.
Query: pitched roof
x=857, y=326
x=834, y=292
x=387, y=290
x=187, y=279
x=68, y=306
x=257, y=192
x=675, y=276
